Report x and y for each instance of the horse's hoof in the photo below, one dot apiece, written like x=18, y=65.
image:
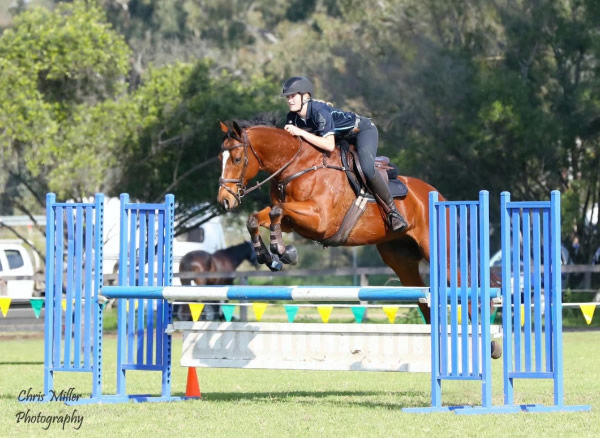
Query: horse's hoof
x=496, y=350
x=290, y=256
x=275, y=264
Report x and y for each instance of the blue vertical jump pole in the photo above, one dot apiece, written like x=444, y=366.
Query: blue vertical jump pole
x=531, y=248
x=73, y=336
x=145, y=259
x=459, y=275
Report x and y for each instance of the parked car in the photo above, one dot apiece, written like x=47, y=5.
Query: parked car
x=15, y=261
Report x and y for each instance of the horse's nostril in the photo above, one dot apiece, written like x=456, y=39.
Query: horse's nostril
x=226, y=204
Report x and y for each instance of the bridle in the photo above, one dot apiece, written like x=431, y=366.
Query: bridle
x=239, y=182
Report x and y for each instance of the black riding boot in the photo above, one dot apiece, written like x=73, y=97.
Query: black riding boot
x=382, y=194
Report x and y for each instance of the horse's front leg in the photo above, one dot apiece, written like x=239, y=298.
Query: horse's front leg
x=263, y=255
x=287, y=254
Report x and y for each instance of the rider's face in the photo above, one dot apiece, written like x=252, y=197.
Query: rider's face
x=294, y=102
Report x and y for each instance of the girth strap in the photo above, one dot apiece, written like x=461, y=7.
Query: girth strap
x=352, y=216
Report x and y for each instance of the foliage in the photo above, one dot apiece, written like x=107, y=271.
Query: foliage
x=58, y=67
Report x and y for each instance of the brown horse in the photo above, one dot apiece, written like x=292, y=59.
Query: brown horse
x=223, y=260
x=316, y=197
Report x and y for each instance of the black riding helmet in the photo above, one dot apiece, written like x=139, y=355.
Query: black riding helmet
x=297, y=84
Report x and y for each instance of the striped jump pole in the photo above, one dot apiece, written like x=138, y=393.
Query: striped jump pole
x=268, y=293
x=277, y=293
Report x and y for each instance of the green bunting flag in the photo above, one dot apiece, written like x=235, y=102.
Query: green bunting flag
x=359, y=313
x=422, y=316
x=493, y=315
x=228, y=311
x=291, y=311
x=36, y=305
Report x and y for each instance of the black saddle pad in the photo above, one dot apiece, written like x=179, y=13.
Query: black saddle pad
x=397, y=188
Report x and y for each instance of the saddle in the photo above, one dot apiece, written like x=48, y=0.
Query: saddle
x=387, y=169
x=356, y=177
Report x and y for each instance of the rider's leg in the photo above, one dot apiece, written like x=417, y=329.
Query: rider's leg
x=366, y=146
x=382, y=192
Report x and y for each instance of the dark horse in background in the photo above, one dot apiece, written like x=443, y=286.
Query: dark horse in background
x=311, y=195
x=223, y=260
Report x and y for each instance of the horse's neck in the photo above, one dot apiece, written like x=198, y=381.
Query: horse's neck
x=276, y=147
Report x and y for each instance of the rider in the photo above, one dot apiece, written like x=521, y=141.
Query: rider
x=319, y=123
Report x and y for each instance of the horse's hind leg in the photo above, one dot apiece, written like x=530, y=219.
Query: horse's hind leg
x=404, y=260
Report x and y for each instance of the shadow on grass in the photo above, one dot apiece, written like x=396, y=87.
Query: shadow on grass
x=374, y=399
x=23, y=363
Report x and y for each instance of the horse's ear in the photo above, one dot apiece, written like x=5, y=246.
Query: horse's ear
x=237, y=129
x=224, y=127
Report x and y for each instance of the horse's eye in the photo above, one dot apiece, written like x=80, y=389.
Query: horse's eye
x=237, y=160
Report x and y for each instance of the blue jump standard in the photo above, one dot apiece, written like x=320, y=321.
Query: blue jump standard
x=272, y=293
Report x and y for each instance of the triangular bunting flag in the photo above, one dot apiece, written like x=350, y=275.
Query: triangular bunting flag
x=359, y=313
x=291, y=311
x=64, y=304
x=325, y=312
x=4, y=305
x=493, y=315
x=588, y=312
x=522, y=315
x=36, y=305
x=228, y=311
x=259, y=309
x=196, y=310
x=459, y=314
x=422, y=316
x=390, y=311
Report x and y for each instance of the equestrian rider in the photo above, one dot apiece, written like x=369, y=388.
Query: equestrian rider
x=319, y=123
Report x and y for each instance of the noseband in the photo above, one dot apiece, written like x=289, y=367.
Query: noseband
x=239, y=182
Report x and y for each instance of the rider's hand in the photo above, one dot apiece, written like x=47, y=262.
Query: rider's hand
x=293, y=129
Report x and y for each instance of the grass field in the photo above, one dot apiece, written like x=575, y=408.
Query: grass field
x=263, y=403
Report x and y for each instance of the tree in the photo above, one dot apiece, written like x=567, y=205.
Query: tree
x=64, y=62
x=175, y=147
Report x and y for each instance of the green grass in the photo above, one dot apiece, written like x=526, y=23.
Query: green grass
x=264, y=403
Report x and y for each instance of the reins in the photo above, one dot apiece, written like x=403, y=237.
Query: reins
x=281, y=185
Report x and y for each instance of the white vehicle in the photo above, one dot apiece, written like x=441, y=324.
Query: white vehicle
x=15, y=261
x=208, y=237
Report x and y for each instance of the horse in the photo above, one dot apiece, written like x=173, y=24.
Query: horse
x=223, y=260
x=316, y=196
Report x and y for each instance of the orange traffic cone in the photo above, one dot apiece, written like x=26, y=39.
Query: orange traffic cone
x=192, y=389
